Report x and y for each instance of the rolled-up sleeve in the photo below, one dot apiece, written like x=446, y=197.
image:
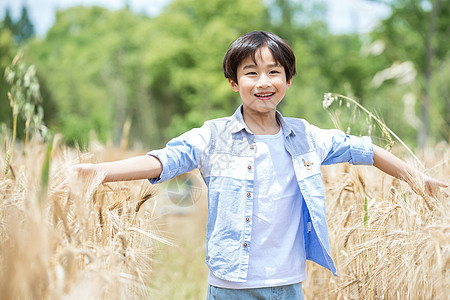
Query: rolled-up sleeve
x=338, y=147
x=361, y=150
x=182, y=154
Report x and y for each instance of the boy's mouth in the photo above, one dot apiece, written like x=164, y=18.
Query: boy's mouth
x=264, y=96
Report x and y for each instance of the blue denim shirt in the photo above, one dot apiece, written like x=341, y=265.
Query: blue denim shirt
x=224, y=151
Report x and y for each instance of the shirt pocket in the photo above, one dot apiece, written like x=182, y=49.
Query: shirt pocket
x=223, y=164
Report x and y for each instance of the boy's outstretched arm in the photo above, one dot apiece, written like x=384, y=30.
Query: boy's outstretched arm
x=392, y=165
x=134, y=168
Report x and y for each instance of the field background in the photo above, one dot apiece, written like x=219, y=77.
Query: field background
x=133, y=241
x=102, y=84
x=122, y=74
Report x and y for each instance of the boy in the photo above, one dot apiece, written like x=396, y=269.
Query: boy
x=266, y=209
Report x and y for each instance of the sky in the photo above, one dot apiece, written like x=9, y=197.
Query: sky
x=344, y=16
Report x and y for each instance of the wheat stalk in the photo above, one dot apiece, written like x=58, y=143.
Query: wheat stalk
x=59, y=247
x=329, y=98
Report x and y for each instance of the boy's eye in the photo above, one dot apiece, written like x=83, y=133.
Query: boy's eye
x=274, y=72
x=251, y=73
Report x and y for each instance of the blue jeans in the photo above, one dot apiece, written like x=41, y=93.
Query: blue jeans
x=284, y=292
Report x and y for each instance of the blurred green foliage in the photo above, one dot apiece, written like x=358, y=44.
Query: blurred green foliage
x=7, y=49
x=419, y=31
x=100, y=68
x=22, y=29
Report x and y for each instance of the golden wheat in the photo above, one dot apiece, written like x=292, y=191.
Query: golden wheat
x=96, y=241
x=85, y=242
x=402, y=250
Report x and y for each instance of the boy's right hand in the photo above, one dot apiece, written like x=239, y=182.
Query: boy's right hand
x=78, y=170
x=134, y=168
x=82, y=169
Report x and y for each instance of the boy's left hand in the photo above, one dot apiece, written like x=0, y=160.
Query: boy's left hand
x=420, y=183
x=433, y=186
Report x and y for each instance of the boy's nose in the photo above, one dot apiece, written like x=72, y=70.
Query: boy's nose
x=263, y=81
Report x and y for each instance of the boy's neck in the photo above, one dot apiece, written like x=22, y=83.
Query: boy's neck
x=261, y=123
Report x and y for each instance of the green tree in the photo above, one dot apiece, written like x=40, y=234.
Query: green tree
x=92, y=65
x=163, y=75
x=23, y=28
x=325, y=62
x=417, y=31
x=7, y=21
x=190, y=41
x=7, y=50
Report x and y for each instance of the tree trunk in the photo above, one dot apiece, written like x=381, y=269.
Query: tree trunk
x=429, y=55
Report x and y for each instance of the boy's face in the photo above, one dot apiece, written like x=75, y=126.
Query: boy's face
x=262, y=85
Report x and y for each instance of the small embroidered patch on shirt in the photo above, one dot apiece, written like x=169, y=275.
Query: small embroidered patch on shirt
x=307, y=164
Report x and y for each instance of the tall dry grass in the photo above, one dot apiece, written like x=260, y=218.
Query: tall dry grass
x=97, y=241
x=89, y=241
x=387, y=241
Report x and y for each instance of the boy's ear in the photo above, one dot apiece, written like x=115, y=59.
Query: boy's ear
x=234, y=85
x=288, y=83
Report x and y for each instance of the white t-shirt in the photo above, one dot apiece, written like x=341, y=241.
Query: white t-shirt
x=277, y=250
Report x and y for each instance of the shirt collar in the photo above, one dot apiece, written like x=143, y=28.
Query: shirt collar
x=238, y=124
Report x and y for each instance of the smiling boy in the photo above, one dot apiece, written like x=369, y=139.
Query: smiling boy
x=262, y=83
x=266, y=204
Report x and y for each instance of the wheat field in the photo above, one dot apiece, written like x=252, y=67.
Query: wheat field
x=113, y=241
x=87, y=241
x=387, y=241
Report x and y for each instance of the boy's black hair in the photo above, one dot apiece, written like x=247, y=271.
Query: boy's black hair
x=249, y=43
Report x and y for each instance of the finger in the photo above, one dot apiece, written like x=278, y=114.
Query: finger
x=61, y=186
x=436, y=182
x=435, y=188
x=442, y=184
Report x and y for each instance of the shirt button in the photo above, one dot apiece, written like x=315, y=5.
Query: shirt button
x=249, y=194
x=245, y=245
x=252, y=147
x=249, y=167
x=247, y=219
